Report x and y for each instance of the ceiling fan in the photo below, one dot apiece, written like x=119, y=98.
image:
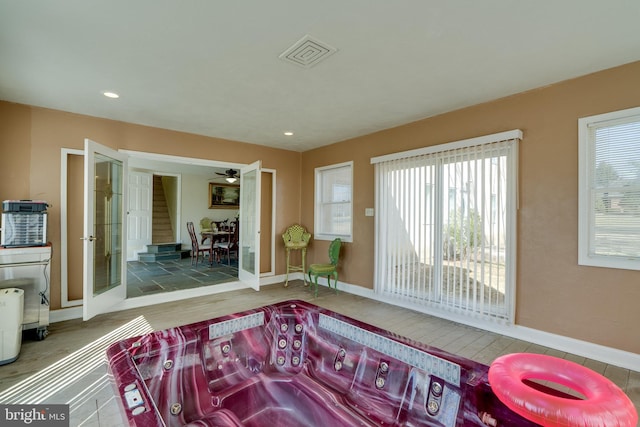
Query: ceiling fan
x=230, y=175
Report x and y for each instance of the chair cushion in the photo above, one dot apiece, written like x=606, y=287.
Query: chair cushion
x=295, y=245
x=321, y=268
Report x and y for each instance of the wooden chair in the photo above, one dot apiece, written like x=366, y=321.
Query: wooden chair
x=198, y=248
x=231, y=245
x=295, y=238
x=329, y=270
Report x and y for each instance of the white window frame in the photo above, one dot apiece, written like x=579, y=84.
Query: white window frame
x=319, y=232
x=586, y=170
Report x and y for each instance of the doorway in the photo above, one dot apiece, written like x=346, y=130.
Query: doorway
x=71, y=228
x=153, y=214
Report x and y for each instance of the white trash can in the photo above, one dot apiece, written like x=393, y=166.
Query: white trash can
x=11, y=309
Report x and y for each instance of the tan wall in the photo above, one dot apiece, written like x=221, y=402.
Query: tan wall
x=75, y=222
x=15, y=151
x=31, y=139
x=554, y=294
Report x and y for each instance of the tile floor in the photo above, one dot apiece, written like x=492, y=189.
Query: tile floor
x=146, y=278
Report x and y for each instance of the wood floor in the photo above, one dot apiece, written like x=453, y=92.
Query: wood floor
x=68, y=366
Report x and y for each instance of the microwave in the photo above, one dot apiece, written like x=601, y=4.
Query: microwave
x=23, y=229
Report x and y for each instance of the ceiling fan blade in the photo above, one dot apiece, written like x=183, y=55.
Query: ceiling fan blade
x=229, y=173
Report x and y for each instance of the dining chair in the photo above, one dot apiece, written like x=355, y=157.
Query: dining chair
x=198, y=248
x=229, y=246
x=205, y=224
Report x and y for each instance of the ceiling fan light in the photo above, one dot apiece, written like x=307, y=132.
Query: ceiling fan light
x=231, y=179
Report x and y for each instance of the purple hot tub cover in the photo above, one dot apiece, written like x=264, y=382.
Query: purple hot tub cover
x=297, y=364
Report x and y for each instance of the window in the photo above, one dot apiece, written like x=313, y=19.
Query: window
x=445, y=226
x=333, y=206
x=609, y=190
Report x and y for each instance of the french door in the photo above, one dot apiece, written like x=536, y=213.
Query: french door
x=104, y=261
x=249, y=238
x=105, y=231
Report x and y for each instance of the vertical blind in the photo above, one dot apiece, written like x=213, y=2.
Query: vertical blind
x=445, y=224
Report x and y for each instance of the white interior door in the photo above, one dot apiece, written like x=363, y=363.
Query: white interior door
x=139, y=210
x=249, y=238
x=104, y=267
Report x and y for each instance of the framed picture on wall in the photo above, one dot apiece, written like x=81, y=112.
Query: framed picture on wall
x=224, y=196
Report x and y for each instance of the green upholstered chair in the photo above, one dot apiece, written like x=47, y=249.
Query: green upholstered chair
x=205, y=225
x=296, y=237
x=329, y=270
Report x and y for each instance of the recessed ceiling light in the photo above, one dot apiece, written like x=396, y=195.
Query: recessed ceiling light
x=289, y=133
x=111, y=95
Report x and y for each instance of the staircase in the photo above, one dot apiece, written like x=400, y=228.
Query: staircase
x=163, y=252
x=161, y=229
x=163, y=247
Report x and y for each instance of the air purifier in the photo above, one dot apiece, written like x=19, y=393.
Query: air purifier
x=11, y=308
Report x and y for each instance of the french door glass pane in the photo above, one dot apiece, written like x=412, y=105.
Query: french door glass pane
x=107, y=224
x=248, y=226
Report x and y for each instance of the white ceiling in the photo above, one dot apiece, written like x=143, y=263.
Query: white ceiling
x=213, y=68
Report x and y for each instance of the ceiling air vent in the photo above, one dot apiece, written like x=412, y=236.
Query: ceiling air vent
x=307, y=52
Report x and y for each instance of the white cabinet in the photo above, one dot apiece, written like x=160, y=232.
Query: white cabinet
x=28, y=268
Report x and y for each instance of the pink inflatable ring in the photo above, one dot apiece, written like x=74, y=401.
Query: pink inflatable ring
x=605, y=404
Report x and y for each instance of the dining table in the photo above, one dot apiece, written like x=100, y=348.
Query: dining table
x=215, y=236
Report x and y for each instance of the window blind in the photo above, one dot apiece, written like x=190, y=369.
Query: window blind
x=615, y=189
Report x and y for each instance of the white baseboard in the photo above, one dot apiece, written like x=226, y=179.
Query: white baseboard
x=65, y=314
x=609, y=355
x=612, y=356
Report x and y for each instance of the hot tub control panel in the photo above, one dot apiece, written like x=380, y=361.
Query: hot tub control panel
x=134, y=400
x=443, y=402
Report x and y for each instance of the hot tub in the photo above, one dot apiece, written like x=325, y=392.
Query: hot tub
x=296, y=364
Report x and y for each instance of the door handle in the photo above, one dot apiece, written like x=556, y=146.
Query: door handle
x=90, y=238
